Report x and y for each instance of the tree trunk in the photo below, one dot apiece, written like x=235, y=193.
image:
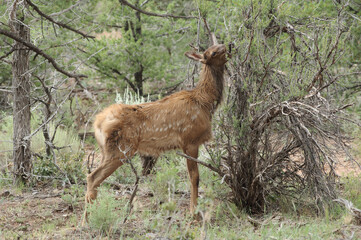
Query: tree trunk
x=21, y=105
x=138, y=76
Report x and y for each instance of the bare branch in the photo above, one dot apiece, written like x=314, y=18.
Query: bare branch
x=126, y=79
x=50, y=117
x=65, y=10
x=7, y=54
x=248, y=48
x=57, y=23
x=202, y=163
x=40, y=52
x=130, y=203
x=124, y=2
x=212, y=37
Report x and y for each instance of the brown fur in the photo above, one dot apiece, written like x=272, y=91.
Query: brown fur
x=181, y=120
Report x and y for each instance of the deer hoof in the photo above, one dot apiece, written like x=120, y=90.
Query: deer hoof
x=90, y=196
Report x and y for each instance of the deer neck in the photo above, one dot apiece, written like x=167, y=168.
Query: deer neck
x=209, y=90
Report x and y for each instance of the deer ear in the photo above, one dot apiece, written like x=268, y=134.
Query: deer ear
x=194, y=56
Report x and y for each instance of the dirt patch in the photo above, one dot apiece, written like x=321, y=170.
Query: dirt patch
x=36, y=212
x=111, y=35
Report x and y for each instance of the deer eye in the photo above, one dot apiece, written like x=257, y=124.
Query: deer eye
x=214, y=54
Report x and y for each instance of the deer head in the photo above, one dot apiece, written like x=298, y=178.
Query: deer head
x=214, y=55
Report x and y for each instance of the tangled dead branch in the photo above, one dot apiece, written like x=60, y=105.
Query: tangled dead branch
x=280, y=132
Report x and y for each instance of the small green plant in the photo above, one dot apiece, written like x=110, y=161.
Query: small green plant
x=105, y=212
x=352, y=190
x=165, y=182
x=43, y=166
x=130, y=98
x=72, y=195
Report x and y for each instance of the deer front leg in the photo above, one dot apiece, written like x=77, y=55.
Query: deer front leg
x=193, y=175
x=106, y=168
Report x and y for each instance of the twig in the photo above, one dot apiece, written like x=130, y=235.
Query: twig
x=90, y=166
x=248, y=48
x=57, y=23
x=153, y=14
x=130, y=203
x=65, y=10
x=40, y=52
x=202, y=163
x=7, y=54
x=44, y=196
x=212, y=37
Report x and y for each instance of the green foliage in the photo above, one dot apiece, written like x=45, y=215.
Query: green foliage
x=72, y=195
x=130, y=98
x=165, y=182
x=68, y=157
x=44, y=166
x=117, y=54
x=141, y=43
x=352, y=189
x=106, y=212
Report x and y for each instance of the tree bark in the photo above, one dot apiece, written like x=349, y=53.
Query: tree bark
x=21, y=101
x=138, y=76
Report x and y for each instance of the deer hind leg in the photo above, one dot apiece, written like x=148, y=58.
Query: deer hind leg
x=193, y=175
x=148, y=164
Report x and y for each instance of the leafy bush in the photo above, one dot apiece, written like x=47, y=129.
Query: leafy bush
x=106, y=212
x=73, y=194
x=68, y=155
x=352, y=190
x=165, y=182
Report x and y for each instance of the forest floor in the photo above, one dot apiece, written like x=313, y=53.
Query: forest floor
x=46, y=212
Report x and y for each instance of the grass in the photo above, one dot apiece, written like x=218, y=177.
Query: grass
x=106, y=212
x=65, y=138
x=161, y=206
x=352, y=189
x=129, y=97
x=164, y=213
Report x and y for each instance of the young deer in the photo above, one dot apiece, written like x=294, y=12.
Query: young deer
x=181, y=120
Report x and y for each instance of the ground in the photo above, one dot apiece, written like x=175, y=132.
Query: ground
x=50, y=211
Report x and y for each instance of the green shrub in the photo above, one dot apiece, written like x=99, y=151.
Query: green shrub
x=106, y=212
x=130, y=98
x=165, y=182
x=73, y=194
x=352, y=190
x=67, y=139
x=68, y=156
